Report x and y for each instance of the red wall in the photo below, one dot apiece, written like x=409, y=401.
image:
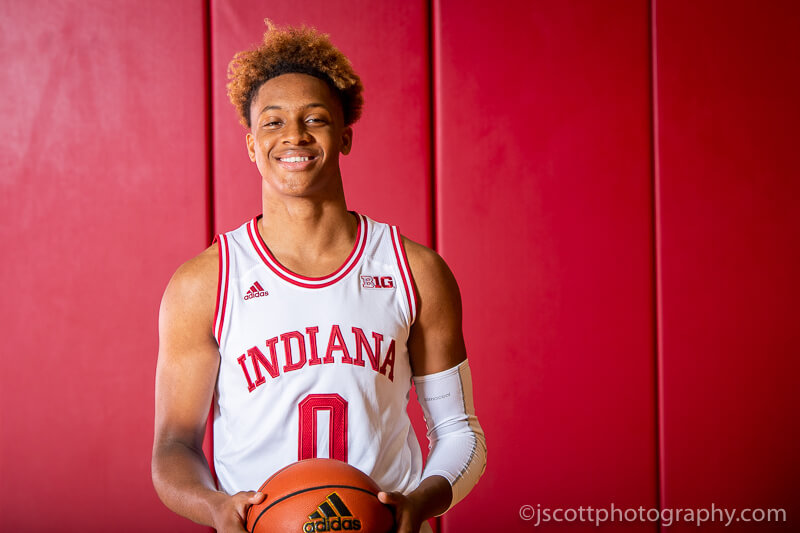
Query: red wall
x=611, y=182
x=727, y=182
x=543, y=172
x=104, y=194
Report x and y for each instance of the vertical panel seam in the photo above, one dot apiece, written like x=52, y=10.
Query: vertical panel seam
x=209, y=71
x=658, y=311
x=433, y=175
x=432, y=123
x=210, y=212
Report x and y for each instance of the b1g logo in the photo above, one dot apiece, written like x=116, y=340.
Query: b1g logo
x=377, y=282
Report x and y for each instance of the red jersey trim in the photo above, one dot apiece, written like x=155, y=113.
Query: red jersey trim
x=405, y=272
x=222, y=288
x=304, y=281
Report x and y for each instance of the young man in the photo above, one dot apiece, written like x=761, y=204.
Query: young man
x=306, y=326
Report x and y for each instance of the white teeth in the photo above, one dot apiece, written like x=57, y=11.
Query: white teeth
x=295, y=159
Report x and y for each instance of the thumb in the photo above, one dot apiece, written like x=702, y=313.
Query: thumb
x=388, y=497
x=256, y=498
x=243, y=500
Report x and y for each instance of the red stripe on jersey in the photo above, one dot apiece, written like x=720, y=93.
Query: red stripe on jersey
x=219, y=284
x=405, y=271
x=304, y=281
x=224, y=262
x=258, y=286
x=411, y=286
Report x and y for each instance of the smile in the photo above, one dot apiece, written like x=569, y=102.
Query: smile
x=297, y=161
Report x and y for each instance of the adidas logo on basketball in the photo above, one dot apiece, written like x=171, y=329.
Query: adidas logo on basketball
x=256, y=290
x=331, y=515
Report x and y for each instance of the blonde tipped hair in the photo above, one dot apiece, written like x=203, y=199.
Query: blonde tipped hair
x=289, y=49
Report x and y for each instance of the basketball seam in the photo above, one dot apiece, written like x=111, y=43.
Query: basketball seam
x=268, y=507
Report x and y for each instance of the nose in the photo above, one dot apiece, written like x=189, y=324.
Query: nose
x=296, y=132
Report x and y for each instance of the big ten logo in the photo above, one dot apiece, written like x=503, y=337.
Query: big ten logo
x=377, y=282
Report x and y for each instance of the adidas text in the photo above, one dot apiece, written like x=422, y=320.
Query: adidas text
x=255, y=294
x=332, y=524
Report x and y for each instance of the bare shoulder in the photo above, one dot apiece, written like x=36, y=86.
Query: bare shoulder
x=192, y=291
x=432, y=277
x=436, y=342
x=188, y=354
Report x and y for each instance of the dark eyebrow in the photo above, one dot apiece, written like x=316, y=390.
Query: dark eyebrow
x=312, y=104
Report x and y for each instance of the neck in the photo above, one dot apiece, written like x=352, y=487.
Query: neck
x=310, y=236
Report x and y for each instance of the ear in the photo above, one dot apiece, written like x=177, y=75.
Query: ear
x=251, y=146
x=347, y=140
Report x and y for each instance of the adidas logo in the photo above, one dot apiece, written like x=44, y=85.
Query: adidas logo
x=331, y=515
x=255, y=291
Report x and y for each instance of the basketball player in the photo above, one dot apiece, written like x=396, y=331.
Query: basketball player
x=306, y=326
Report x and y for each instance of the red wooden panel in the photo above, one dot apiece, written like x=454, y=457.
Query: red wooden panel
x=103, y=195
x=543, y=168
x=387, y=176
x=727, y=115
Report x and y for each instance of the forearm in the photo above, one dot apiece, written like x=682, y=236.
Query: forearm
x=458, y=446
x=183, y=481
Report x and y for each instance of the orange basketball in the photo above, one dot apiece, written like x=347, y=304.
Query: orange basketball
x=319, y=495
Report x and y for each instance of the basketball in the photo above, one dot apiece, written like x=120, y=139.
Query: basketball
x=319, y=495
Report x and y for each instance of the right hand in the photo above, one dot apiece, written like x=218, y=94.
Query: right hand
x=230, y=513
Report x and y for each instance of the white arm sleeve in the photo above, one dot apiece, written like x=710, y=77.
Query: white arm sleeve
x=457, y=443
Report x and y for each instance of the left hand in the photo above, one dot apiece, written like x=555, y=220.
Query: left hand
x=407, y=515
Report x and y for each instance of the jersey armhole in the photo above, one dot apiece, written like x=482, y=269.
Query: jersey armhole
x=222, y=287
x=405, y=273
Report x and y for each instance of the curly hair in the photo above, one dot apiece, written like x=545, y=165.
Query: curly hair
x=293, y=50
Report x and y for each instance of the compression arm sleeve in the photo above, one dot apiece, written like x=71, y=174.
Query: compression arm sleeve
x=457, y=443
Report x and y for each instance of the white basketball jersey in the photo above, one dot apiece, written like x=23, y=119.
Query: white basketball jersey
x=314, y=367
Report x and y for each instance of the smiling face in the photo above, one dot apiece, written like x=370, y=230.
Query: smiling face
x=296, y=136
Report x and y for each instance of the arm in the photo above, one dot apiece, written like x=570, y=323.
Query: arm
x=436, y=346
x=188, y=362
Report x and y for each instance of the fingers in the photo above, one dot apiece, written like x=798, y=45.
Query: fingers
x=396, y=500
x=230, y=512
